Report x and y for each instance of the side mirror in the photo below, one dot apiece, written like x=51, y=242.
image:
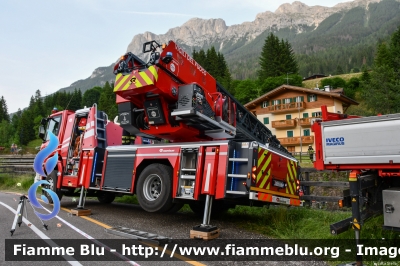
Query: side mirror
x=42, y=132
x=43, y=121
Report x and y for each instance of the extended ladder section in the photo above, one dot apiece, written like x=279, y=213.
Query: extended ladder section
x=249, y=128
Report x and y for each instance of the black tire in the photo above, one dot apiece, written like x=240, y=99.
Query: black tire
x=52, y=178
x=105, y=197
x=154, y=188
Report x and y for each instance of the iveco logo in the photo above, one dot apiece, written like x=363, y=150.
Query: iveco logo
x=162, y=150
x=334, y=141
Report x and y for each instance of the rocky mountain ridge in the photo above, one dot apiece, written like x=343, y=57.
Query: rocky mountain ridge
x=199, y=33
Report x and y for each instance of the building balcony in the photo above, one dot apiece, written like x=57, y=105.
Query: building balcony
x=286, y=107
x=296, y=140
x=282, y=124
x=305, y=122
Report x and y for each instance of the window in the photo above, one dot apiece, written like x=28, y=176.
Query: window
x=312, y=98
x=298, y=99
x=305, y=115
x=287, y=100
x=266, y=120
x=316, y=114
x=276, y=102
x=289, y=134
x=265, y=104
x=288, y=117
x=53, y=126
x=306, y=132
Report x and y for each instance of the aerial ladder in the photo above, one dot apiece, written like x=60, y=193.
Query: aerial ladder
x=173, y=97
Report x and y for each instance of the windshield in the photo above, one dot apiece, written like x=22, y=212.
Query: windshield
x=53, y=126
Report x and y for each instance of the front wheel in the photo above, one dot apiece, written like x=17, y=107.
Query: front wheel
x=154, y=188
x=52, y=178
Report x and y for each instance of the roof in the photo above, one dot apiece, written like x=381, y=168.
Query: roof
x=337, y=93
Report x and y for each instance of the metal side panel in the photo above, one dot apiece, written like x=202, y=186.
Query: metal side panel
x=391, y=207
x=362, y=141
x=119, y=170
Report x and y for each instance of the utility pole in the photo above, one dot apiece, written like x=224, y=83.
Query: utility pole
x=301, y=146
x=287, y=78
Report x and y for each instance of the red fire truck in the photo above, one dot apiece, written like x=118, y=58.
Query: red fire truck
x=206, y=146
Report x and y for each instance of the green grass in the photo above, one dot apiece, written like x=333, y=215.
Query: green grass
x=34, y=143
x=30, y=147
x=277, y=221
x=310, y=84
x=16, y=183
x=127, y=199
x=301, y=223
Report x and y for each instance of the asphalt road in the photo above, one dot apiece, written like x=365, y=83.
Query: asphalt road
x=67, y=226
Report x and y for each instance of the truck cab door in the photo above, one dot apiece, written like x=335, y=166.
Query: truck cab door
x=67, y=139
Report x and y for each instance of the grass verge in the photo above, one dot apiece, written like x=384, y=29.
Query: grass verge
x=15, y=183
x=276, y=221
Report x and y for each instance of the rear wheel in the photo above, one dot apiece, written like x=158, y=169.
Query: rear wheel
x=105, y=197
x=154, y=188
x=52, y=178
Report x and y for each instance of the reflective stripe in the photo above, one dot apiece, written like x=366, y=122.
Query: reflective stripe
x=89, y=133
x=207, y=184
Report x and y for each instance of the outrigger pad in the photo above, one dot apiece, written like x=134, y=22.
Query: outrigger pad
x=204, y=232
x=205, y=228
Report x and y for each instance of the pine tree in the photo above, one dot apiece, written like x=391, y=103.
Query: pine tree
x=90, y=97
x=276, y=59
x=38, y=109
x=383, y=56
x=4, y=109
x=214, y=63
x=107, y=101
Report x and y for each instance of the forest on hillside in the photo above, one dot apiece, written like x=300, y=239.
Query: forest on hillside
x=344, y=41
x=378, y=88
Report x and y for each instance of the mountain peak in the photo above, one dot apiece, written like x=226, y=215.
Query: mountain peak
x=295, y=7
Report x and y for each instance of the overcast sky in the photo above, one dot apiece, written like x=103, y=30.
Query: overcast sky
x=48, y=45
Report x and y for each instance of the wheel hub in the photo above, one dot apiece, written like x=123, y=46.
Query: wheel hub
x=152, y=187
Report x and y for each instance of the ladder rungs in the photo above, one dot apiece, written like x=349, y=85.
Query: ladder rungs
x=191, y=177
x=238, y=176
x=236, y=192
x=191, y=170
x=238, y=159
x=100, y=138
x=100, y=128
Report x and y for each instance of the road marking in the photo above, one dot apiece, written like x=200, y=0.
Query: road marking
x=185, y=259
x=89, y=219
x=42, y=236
x=93, y=239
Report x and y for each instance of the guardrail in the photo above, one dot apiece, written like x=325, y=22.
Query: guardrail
x=15, y=165
x=306, y=184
